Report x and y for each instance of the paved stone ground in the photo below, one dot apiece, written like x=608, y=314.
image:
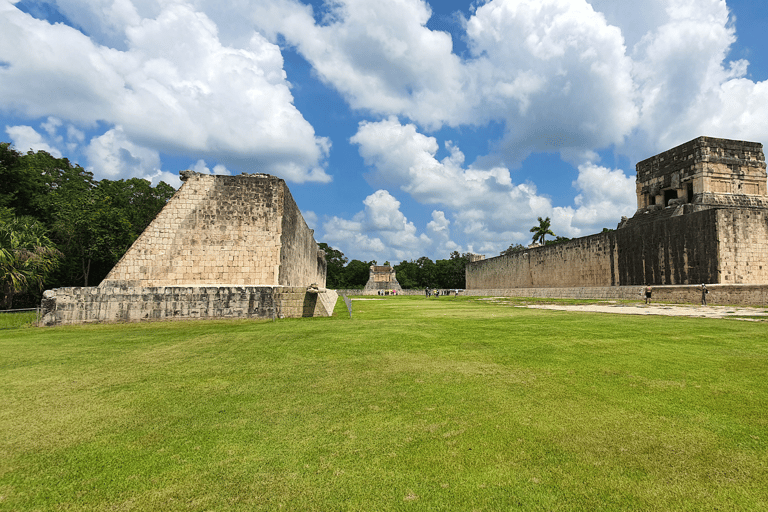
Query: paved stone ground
x=663, y=309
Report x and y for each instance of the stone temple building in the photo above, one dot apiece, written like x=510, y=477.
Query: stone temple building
x=381, y=278
x=702, y=217
x=223, y=246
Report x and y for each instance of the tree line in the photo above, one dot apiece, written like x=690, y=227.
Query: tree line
x=60, y=227
x=423, y=272
x=413, y=274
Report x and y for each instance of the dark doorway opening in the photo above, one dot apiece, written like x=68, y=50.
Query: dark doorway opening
x=669, y=195
x=689, y=193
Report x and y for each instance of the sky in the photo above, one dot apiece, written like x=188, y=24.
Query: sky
x=404, y=128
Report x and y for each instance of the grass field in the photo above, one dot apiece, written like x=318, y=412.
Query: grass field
x=414, y=404
x=17, y=320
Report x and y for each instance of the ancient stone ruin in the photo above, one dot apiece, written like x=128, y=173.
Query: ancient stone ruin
x=223, y=246
x=702, y=217
x=381, y=279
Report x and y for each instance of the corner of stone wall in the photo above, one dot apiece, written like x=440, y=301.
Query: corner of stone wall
x=326, y=302
x=48, y=309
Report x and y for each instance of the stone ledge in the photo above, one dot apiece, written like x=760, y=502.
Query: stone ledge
x=66, y=306
x=723, y=294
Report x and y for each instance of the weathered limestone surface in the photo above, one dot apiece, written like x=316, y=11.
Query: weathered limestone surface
x=581, y=262
x=675, y=250
x=241, y=230
x=702, y=218
x=719, y=294
x=382, y=277
x=742, y=245
x=705, y=165
x=65, y=306
x=223, y=246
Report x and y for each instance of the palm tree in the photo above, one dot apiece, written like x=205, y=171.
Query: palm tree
x=27, y=256
x=540, y=231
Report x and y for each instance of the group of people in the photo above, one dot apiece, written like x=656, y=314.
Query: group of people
x=704, y=292
x=429, y=292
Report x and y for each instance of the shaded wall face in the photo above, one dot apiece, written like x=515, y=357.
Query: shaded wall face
x=728, y=246
x=743, y=246
x=677, y=250
x=587, y=261
x=301, y=261
x=215, y=230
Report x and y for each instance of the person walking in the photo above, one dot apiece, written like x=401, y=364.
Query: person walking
x=704, y=293
x=648, y=291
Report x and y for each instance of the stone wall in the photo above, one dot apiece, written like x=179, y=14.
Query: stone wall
x=723, y=245
x=301, y=261
x=719, y=294
x=742, y=246
x=224, y=230
x=673, y=250
x=66, y=306
x=584, y=261
x=702, y=217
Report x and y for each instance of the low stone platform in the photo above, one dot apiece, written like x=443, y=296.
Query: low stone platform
x=723, y=294
x=66, y=306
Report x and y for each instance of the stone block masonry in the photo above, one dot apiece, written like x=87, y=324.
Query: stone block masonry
x=702, y=217
x=723, y=245
x=67, y=306
x=719, y=294
x=704, y=170
x=381, y=277
x=241, y=230
x=581, y=262
x=742, y=245
x=223, y=247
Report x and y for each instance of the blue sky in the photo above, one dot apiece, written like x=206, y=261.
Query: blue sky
x=403, y=128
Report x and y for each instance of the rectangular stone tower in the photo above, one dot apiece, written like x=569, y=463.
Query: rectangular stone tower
x=706, y=171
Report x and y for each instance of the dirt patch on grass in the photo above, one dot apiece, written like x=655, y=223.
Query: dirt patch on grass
x=740, y=313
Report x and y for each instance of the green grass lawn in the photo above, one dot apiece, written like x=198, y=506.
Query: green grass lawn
x=17, y=320
x=414, y=404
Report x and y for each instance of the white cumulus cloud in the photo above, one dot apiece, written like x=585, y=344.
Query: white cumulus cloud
x=173, y=88
x=379, y=232
x=25, y=138
x=489, y=209
x=114, y=156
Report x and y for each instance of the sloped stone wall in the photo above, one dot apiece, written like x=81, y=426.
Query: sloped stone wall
x=719, y=294
x=301, y=261
x=381, y=277
x=724, y=245
x=584, y=261
x=215, y=230
x=224, y=230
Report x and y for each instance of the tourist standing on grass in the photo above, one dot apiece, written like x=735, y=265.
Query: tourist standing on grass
x=648, y=291
x=704, y=293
